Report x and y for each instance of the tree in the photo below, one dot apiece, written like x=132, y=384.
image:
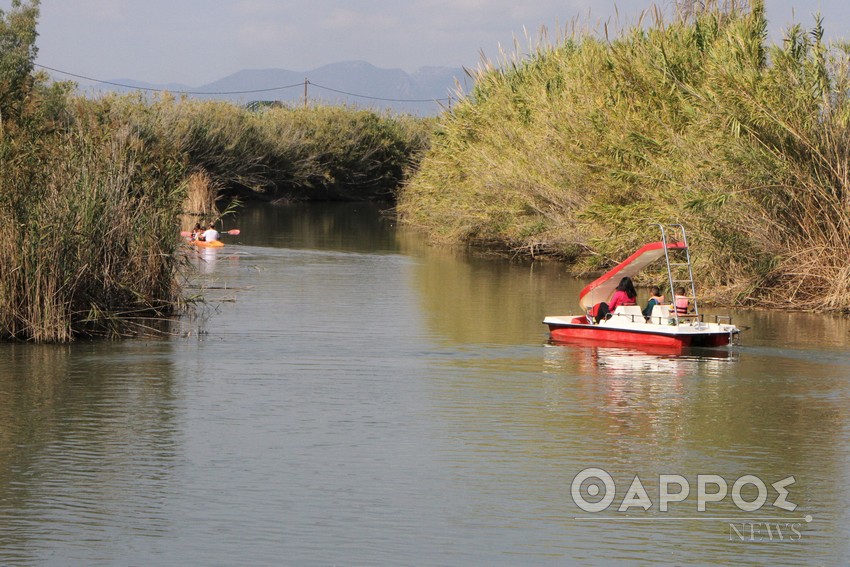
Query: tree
x=17, y=56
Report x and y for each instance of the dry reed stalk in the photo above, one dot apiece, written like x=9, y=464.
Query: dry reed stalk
x=202, y=193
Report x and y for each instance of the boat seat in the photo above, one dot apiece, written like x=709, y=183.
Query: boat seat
x=661, y=314
x=632, y=312
x=661, y=311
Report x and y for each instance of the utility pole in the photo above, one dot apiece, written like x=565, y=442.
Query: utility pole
x=306, y=82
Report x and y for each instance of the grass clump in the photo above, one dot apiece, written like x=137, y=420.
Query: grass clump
x=577, y=148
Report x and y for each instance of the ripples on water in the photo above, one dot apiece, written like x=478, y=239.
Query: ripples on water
x=349, y=396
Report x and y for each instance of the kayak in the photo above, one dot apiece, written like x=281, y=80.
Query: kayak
x=205, y=244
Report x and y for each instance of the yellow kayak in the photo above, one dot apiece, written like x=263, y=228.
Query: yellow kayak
x=205, y=244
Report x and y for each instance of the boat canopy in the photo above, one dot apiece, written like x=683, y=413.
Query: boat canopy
x=604, y=286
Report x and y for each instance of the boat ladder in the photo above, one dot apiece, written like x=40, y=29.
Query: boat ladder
x=680, y=271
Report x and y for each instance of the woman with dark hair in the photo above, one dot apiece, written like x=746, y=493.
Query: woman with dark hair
x=625, y=294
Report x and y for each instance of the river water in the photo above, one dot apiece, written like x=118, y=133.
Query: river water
x=348, y=395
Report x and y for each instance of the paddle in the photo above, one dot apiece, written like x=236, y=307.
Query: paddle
x=233, y=232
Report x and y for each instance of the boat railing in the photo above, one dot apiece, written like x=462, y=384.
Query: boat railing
x=718, y=318
x=672, y=319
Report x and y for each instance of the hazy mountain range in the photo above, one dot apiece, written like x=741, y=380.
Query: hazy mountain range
x=353, y=82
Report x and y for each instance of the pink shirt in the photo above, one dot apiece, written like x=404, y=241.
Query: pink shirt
x=620, y=298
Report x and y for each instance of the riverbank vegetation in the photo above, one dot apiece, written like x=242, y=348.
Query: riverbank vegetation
x=576, y=149
x=92, y=191
x=87, y=207
x=280, y=152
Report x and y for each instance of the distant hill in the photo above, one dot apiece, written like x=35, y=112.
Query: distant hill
x=354, y=83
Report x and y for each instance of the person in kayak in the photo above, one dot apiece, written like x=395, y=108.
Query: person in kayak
x=211, y=234
x=196, y=232
x=625, y=294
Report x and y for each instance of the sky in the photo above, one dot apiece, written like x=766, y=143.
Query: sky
x=194, y=42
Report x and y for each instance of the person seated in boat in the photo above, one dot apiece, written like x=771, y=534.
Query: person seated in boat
x=211, y=234
x=683, y=305
x=655, y=299
x=625, y=294
x=196, y=232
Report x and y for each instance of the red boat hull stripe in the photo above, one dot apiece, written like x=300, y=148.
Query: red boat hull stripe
x=628, y=336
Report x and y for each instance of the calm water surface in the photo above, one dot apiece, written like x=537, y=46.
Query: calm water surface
x=350, y=396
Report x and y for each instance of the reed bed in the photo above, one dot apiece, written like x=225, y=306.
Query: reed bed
x=87, y=239
x=201, y=203
x=87, y=207
x=288, y=153
x=576, y=149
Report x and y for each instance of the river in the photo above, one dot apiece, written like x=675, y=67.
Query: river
x=348, y=395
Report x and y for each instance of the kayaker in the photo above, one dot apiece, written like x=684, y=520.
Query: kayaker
x=211, y=234
x=196, y=232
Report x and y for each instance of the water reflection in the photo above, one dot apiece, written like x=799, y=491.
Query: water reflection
x=345, y=227
x=473, y=298
x=788, y=329
x=729, y=413
x=640, y=397
x=208, y=258
x=82, y=428
x=607, y=359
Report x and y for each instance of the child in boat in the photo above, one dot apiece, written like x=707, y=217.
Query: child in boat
x=625, y=294
x=655, y=299
x=683, y=305
x=196, y=232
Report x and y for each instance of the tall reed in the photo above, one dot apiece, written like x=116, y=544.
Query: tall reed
x=291, y=153
x=87, y=236
x=577, y=148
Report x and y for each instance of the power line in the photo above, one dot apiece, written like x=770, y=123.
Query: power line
x=304, y=83
x=165, y=90
x=377, y=97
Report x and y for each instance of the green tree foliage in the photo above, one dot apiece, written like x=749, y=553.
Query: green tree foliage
x=17, y=54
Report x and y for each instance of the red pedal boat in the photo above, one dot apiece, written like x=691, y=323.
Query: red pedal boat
x=627, y=325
